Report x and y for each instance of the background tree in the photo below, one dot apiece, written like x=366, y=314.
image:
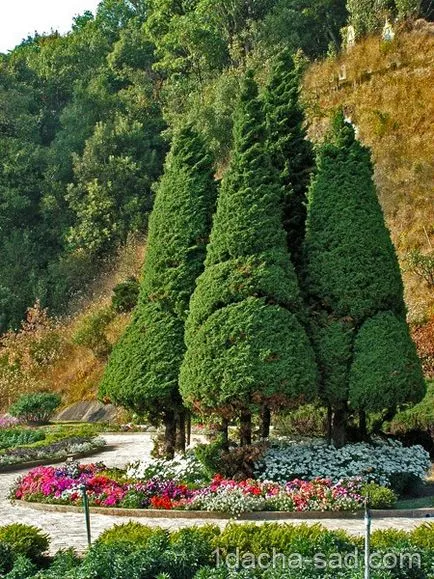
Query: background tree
x=290, y=151
x=367, y=359
x=142, y=373
x=246, y=346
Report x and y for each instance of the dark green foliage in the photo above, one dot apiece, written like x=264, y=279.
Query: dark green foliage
x=386, y=370
x=333, y=341
x=245, y=342
x=310, y=25
x=24, y=540
x=19, y=436
x=354, y=286
x=290, y=151
x=6, y=558
x=352, y=268
x=142, y=373
x=37, y=408
x=125, y=295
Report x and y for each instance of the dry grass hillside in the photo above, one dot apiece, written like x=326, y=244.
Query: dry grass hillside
x=386, y=88
x=68, y=355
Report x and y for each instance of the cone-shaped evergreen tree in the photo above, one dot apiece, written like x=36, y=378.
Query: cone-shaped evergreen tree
x=290, y=151
x=245, y=342
x=142, y=373
x=367, y=359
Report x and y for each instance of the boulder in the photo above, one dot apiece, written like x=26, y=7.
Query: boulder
x=88, y=411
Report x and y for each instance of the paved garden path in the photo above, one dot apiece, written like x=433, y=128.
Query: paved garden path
x=68, y=529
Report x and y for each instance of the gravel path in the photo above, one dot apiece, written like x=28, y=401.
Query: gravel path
x=68, y=529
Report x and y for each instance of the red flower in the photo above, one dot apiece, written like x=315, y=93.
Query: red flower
x=162, y=503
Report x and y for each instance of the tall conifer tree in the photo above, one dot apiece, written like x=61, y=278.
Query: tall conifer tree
x=291, y=153
x=245, y=342
x=367, y=359
x=142, y=373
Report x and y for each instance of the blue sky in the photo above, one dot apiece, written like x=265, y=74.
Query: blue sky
x=19, y=18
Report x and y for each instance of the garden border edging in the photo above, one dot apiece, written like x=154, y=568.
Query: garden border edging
x=427, y=513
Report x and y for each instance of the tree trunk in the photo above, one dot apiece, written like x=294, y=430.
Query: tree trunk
x=329, y=424
x=265, y=422
x=363, y=428
x=188, y=428
x=339, y=426
x=245, y=428
x=180, y=430
x=169, y=434
x=224, y=429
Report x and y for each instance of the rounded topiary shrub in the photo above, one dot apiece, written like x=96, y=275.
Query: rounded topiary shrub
x=379, y=497
x=24, y=540
x=36, y=408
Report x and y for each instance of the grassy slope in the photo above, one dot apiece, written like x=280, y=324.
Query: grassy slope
x=386, y=89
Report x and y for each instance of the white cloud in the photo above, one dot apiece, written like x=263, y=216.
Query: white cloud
x=20, y=18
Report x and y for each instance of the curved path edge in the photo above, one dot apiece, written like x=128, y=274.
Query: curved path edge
x=252, y=516
x=18, y=466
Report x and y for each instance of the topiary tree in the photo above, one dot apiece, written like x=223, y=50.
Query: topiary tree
x=142, y=373
x=291, y=153
x=246, y=346
x=367, y=359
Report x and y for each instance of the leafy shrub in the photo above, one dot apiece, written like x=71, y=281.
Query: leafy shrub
x=23, y=568
x=423, y=536
x=308, y=420
x=190, y=549
x=6, y=558
x=406, y=484
x=63, y=562
x=92, y=332
x=379, y=497
x=25, y=540
x=126, y=560
x=35, y=408
x=125, y=295
x=386, y=538
x=209, y=455
x=284, y=538
x=19, y=436
x=130, y=532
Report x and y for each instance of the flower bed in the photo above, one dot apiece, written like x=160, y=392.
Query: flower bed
x=114, y=489
x=378, y=462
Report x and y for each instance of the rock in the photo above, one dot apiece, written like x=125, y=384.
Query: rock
x=88, y=411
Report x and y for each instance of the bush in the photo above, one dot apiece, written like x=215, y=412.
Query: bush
x=308, y=420
x=379, y=497
x=24, y=540
x=92, y=332
x=19, y=436
x=6, y=558
x=23, y=568
x=423, y=536
x=130, y=532
x=36, y=408
x=125, y=295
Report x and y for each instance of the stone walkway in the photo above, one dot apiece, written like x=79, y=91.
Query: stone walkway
x=68, y=529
